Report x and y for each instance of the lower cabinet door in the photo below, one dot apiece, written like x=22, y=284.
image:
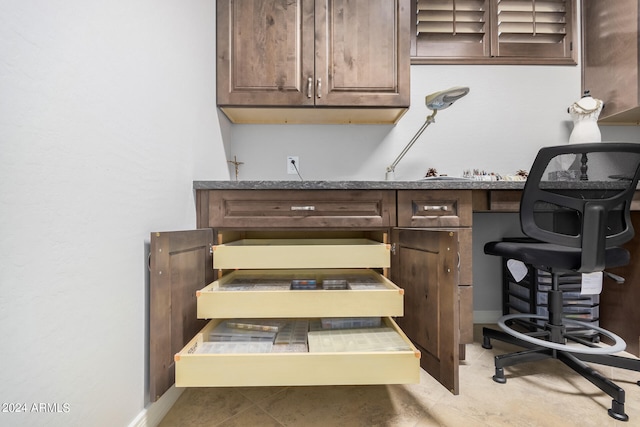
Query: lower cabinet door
x=425, y=265
x=365, y=360
x=180, y=263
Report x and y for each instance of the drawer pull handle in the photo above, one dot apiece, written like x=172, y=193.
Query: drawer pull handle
x=436, y=208
x=303, y=208
x=319, y=88
x=309, y=87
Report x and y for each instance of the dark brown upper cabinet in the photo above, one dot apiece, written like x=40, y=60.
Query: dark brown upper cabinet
x=313, y=61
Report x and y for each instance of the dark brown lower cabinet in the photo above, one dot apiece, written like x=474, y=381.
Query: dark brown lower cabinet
x=430, y=265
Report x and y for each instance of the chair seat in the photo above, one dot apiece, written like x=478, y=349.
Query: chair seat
x=552, y=256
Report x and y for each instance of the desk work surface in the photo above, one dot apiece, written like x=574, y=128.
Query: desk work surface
x=496, y=196
x=423, y=184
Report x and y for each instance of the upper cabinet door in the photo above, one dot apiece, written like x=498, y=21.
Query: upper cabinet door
x=275, y=56
x=265, y=52
x=362, y=52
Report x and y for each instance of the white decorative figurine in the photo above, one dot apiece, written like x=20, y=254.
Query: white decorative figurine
x=585, y=113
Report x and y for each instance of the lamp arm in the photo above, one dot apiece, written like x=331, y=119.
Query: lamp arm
x=430, y=119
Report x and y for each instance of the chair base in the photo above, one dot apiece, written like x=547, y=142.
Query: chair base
x=574, y=360
x=555, y=335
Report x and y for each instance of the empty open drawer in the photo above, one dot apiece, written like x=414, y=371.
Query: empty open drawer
x=301, y=253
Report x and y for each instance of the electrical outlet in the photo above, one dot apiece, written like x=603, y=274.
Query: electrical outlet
x=291, y=168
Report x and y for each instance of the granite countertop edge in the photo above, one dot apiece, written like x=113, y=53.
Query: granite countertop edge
x=359, y=185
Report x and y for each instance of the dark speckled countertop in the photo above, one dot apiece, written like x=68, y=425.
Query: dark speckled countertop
x=425, y=184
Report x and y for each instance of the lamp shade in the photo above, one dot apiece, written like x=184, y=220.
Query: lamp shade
x=435, y=101
x=446, y=98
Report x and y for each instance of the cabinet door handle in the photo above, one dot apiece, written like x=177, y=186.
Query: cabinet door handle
x=436, y=208
x=319, y=88
x=309, y=87
x=303, y=208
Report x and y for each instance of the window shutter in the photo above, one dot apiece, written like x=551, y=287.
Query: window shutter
x=493, y=31
x=452, y=28
x=532, y=28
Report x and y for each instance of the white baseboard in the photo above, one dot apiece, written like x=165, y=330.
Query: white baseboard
x=486, y=316
x=155, y=412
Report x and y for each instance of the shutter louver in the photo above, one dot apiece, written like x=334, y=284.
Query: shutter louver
x=451, y=20
x=532, y=21
x=452, y=28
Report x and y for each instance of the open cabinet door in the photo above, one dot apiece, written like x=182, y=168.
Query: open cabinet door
x=180, y=264
x=425, y=264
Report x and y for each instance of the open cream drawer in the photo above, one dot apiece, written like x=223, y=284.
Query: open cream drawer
x=268, y=293
x=301, y=253
x=193, y=368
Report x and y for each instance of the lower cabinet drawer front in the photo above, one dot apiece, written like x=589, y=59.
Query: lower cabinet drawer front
x=435, y=208
x=295, y=369
x=217, y=301
x=301, y=208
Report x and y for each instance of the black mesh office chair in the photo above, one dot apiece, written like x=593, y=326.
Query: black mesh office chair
x=575, y=211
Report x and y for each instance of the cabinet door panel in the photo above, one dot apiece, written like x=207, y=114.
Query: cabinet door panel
x=266, y=56
x=425, y=266
x=362, y=52
x=180, y=264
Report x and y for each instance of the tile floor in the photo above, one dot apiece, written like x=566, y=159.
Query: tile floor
x=537, y=394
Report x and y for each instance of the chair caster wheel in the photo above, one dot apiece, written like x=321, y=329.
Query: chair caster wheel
x=617, y=411
x=616, y=416
x=486, y=343
x=499, y=380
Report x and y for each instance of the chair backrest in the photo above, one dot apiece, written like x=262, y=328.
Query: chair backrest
x=579, y=195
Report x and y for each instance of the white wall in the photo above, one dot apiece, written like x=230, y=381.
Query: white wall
x=510, y=112
x=107, y=115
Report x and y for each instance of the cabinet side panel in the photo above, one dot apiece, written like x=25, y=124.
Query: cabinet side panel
x=202, y=209
x=610, y=54
x=619, y=303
